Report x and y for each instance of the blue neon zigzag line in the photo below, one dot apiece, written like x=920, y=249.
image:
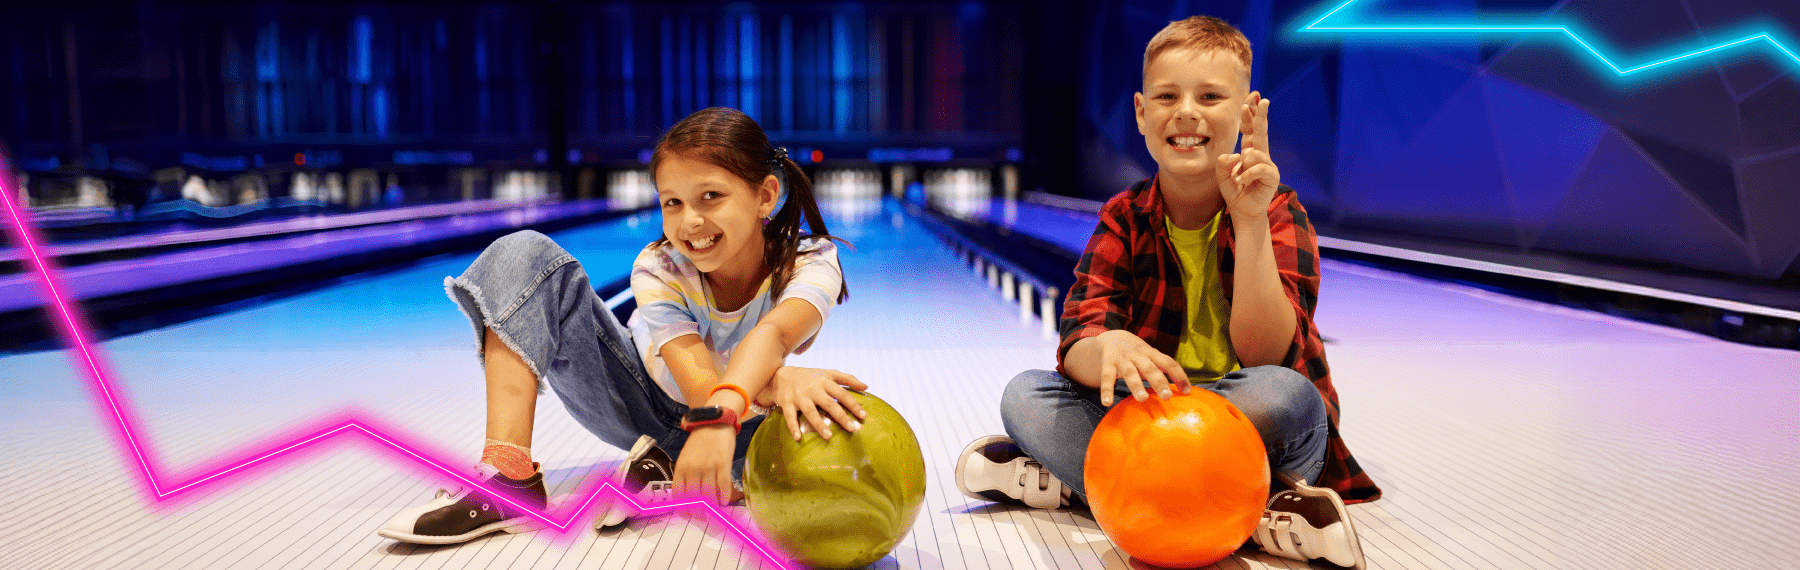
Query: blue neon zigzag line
x=1564, y=30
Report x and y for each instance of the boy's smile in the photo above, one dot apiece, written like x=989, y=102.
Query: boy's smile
x=1188, y=143
x=1190, y=109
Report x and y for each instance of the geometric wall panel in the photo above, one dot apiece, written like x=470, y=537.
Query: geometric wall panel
x=1299, y=108
x=1621, y=205
x=1386, y=96
x=1771, y=117
x=1446, y=181
x=1708, y=178
x=1543, y=143
x=1747, y=73
x=1772, y=211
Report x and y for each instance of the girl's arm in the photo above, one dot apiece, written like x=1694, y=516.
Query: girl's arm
x=763, y=350
x=693, y=365
x=754, y=365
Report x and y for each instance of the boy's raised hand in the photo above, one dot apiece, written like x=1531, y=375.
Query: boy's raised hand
x=1126, y=358
x=1248, y=180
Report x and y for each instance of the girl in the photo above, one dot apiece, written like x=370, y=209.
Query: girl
x=723, y=297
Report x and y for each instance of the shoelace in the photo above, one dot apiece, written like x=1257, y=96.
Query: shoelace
x=481, y=471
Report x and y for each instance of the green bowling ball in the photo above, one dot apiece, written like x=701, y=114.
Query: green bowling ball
x=838, y=503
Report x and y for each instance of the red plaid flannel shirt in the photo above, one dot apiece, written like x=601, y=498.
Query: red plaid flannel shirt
x=1130, y=279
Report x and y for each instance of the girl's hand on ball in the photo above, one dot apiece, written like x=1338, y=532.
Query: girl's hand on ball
x=807, y=391
x=705, y=464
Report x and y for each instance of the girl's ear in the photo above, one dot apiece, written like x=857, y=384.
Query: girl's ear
x=768, y=195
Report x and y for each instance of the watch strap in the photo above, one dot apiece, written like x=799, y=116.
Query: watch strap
x=727, y=416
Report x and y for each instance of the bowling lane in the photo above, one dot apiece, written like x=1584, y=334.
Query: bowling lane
x=921, y=329
x=1069, y=229
x=1507, y=434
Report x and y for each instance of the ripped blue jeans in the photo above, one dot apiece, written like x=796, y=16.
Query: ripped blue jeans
x=538, y=300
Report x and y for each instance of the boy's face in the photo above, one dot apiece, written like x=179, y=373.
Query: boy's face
x=1190, y=109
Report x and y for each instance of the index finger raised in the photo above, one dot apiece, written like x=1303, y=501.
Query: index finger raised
x=1260, y=121
x=1247, y=119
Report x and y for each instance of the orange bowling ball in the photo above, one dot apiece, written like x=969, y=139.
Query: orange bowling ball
x=1177, y=483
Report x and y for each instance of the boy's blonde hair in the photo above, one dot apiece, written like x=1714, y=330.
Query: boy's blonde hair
x=1201, y=33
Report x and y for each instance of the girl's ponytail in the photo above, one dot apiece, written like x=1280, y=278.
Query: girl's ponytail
x=781, y=237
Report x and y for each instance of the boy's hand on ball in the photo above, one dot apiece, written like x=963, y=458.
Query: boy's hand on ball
x=1126, y=358
x=1248, y=180
x=807, y=391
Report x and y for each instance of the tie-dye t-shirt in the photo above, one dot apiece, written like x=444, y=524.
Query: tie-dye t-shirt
x=673, y=299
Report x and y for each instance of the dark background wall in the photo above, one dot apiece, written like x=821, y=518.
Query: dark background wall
x=1511, y=141
x=151, y=78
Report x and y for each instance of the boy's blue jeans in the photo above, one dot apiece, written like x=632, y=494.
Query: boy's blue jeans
x=1052, y=418
x=538, y=300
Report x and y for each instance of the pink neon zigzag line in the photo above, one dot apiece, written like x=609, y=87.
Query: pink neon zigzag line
x=66, y=316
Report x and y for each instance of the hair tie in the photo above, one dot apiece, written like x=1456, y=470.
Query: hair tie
x=778, y=153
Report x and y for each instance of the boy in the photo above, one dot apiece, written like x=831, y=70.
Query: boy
x=1204, y=275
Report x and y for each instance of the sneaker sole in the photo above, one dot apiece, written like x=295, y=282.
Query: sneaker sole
x=970, y=449
x=513, y=526
x=614, y=514
x=1300, y=486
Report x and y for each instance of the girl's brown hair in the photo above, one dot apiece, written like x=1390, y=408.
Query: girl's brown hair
x=729, y=139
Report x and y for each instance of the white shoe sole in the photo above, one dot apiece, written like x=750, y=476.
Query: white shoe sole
x=1350, y=553
x=1006, y=478
x=962, y=462
x=615, y=510
x=513, y=525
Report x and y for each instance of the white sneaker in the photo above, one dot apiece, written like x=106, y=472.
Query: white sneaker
x=994, y=468
x=647, y=474
x=1308, y=523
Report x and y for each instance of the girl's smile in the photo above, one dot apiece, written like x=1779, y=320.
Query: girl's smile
x=704, y=244
x=715, y=219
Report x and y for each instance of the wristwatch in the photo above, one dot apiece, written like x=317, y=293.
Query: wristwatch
x=710, y=415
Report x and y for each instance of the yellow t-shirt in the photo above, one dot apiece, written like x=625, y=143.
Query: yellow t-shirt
x=1205, y=349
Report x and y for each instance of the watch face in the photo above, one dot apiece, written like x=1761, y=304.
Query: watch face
x=707, y=413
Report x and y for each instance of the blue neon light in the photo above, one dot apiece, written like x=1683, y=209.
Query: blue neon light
x=216, y=163
x=840, y=73
x=668, y=71
x=460, y=157
x=1320, y=25
x=363, y=32
x=784, y=62
x=629, y=73
x=747, y=52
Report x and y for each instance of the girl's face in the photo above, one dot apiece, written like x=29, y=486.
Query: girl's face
x=712, y=216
